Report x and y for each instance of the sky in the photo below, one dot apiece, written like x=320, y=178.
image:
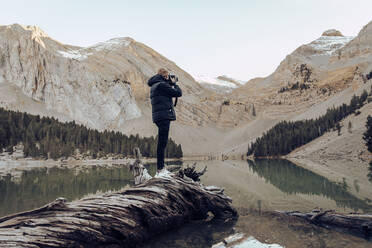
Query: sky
x=239, y=38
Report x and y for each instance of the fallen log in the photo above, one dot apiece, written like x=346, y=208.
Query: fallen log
x=121, y=219
x=356, y=224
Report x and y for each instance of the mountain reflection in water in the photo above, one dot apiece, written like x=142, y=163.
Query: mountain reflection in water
x=40, y=186
x=270, y=184
x=293, y=179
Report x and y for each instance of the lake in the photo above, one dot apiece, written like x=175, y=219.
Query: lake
x=255, y=187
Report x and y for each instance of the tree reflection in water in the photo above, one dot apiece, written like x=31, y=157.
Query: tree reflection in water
x=293, y=179
x=40, y=186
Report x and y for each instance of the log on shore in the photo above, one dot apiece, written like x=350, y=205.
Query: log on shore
x=122, y=219
x=356, y=224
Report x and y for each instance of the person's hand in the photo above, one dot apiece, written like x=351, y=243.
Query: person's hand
x=173, y=80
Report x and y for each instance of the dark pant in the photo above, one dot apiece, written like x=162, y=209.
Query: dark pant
x=163, y=134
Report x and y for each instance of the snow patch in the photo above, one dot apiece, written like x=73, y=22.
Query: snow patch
x=111, y=44
x=81, y=54
x=203, y=79
x=218, y=84
x=217, y=88
x=327, y=45
x=74, y=54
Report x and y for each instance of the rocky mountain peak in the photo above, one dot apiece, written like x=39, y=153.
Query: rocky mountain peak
x=35, y=31
x=359, y=47
x=367, y=28
x=330, y=41
x=332, y=32
x=22, y=33
x=366, y=33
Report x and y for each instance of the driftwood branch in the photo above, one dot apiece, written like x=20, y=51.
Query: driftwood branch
x=190, y=172
x=138, y=169
x=121, y=219
x=357, y=224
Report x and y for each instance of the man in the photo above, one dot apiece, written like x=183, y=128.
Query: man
x=163, y=89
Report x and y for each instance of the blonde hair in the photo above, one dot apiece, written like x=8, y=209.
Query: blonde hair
x=163, y=72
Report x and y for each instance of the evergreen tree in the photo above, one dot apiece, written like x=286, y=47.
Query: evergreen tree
x=286, y=136
x=338, y=126
x=367, y=136
x=46, y=137
x=253, y=110
x=349, y=127
x=369, y=175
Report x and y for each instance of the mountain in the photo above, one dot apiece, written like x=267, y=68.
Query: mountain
x=104, y=86
x=314, y=77
x=99, y=86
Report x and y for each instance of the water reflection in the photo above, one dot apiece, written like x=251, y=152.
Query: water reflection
x=293, y=179
x=197, y=234
x=245, y=185
x=40, y=186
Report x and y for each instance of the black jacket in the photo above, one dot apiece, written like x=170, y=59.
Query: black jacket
x=161, y=95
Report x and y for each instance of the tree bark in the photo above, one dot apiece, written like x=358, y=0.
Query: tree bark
x=122, y=219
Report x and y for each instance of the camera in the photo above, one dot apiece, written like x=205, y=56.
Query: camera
x=174, y=78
